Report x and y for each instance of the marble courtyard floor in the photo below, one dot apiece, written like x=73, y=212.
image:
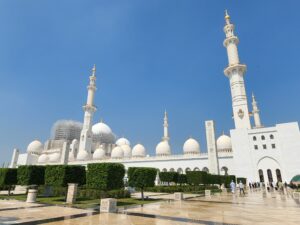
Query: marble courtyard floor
x=255, y=208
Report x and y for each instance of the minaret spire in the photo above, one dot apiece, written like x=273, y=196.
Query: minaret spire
x=85, y=145
x=255, y=112
x=166, y=131
x=235, y=72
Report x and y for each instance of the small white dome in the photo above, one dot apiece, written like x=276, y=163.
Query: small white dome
x=163, y=148
x=117, y=153
x=191, y=146
x=102, y=133
x=82, y=155
x=127, y=151
x=54, y=157
x=43, y=158
x=35, y=147
x=99, y=153
x=122, y=141
x=224, y=143
x=75, y=142
x=138, y=151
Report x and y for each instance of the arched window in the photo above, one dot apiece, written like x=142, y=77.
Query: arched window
x=254, y=138
x=224, y=170
x=263, y=137
x=271, y=136
x=278, y=175
x=261, y=176
x=187, y=169
x=196, y=169
x=172, y=170
x=164, y=170
x=270, y=177
x=205, y=169
x=180, y=171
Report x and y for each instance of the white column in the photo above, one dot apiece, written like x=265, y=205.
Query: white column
x=255, y=112
x=14, y=159
x=166, y=125
x=235, y=72
x=86, y=136
x=65, y=153
x=213, y=161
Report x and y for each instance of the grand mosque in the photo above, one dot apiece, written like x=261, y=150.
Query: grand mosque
x=259, y=153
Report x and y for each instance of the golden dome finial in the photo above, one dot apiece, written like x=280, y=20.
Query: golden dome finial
x=227, y=17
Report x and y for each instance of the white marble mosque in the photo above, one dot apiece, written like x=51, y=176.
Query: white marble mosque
x=259, y=153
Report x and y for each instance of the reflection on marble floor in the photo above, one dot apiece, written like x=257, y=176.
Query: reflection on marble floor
x=255, y=208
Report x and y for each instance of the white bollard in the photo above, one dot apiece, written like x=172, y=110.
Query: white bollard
x=108, y=205
x=207, y=193
x=178, y=196
x=72, y=192
x=31, y=196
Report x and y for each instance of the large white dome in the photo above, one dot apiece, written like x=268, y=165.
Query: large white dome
x=191, y=146
x=54, y=157
x=122, y=141
x=82, y=155
x=43, y=158
x=117, y=153
x=138, y=151
x=163, y=148
x=224, y=143
x=127, y=151
x=35, y=147
x=102, y=133
x=99, y=153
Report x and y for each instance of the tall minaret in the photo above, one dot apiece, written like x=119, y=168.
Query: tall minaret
x=166, y=132
x=235, y=72
x=255, y=112
x=89, y=109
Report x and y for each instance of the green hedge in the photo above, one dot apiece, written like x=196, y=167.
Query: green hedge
x=184, y=188
x=168, y=177
x=84, y=192
x=31, y=175
x=98, y=194
x=243, y=179
x=197, y=177
x=8, y=177
x=202, y=177
x=61, y=175
x=105, y=176
x=182, y=179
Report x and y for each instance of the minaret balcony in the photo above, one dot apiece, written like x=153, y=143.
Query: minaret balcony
x=232, y=39
x=237, y=68
x=89, y=108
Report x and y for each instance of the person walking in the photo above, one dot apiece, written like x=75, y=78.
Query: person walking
x=241, y=186
x=232, y=187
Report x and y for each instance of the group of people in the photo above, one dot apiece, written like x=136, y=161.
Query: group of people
x=279, y=186
x=240, y=186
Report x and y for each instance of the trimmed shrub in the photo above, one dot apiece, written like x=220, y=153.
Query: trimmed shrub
x=8, y=178
x=243, y=179
x=197, y=177
x=61, y=175
x=182, y=179
x=31, y=175
x=98, y=194
x=105, y=176
x=168, y=177
x=142, y=177
x=185, y=188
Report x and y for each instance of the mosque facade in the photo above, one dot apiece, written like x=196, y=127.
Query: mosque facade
x=259, y=153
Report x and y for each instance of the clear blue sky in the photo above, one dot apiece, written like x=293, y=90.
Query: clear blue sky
x=150, y=55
